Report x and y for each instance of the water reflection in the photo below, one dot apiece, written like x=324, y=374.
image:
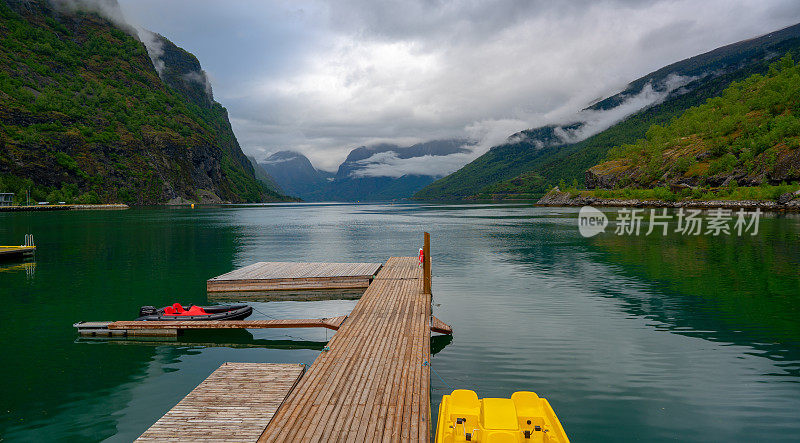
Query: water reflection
x=28, y=267
x=631, y=339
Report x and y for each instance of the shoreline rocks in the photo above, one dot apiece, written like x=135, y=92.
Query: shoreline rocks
x=557, y=197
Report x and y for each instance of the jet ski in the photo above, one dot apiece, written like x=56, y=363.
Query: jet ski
x=178, y=312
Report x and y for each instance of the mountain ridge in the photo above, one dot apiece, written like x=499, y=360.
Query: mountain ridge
x=361, y=176
x=520, y=168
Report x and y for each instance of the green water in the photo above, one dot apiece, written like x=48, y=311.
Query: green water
x=631, y=339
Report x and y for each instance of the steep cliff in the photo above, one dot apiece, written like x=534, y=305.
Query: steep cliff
x=88, y=115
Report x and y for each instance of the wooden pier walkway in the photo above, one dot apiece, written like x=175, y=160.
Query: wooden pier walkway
x=233, y=404
x=271, y=276
x=373, y=384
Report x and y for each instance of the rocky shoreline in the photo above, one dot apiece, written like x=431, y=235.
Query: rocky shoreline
x=556, y=197
x=62, y=207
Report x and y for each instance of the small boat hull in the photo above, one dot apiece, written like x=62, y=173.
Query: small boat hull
x=525, y=417
x=223, y=312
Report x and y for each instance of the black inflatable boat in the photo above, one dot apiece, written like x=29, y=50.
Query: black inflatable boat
x=177, y=312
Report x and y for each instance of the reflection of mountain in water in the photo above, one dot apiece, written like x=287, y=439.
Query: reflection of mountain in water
x=742, y=291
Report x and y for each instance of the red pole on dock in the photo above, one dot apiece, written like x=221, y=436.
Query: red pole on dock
x=426, y=265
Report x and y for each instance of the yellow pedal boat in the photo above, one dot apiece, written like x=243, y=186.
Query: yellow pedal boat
x=522, y=418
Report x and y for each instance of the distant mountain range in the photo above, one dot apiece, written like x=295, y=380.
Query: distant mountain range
x=294, y=174
x=532, y=161
x=369, y=173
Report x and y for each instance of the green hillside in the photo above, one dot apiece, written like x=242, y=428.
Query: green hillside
x=523, y=169
x=85, y=117
x=749, y=136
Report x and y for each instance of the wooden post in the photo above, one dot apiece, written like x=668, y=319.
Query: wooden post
x=426, y=265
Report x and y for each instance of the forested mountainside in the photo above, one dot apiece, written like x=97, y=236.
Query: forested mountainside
x=534, y=160
x=262, y=175
x=748, y=136
x=87, y=116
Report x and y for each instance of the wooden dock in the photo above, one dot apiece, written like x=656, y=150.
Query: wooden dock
x=373, y=384
x=8, y=252
x=171, y=328
x=276, y=276
x=234, y=404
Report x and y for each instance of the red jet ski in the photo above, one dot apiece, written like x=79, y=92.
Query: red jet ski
x=178, y=312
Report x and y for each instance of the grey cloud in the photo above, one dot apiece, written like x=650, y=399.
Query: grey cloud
x=155, y=48
x=108, y=9
x=388, y=164
x=322, y=78
x=199, y=77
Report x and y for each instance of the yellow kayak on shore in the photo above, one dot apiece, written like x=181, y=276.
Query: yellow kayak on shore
x=522, y=418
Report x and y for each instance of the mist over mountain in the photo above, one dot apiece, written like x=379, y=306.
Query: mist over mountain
x=531, y=161
x=369, y=173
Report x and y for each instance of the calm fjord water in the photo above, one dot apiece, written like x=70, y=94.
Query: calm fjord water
x=630, y=338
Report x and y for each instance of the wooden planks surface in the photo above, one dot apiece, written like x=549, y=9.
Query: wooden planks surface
x=373, y=384
x=233, y=404
x=270, y=276
x=329, y=323
x=440, y=326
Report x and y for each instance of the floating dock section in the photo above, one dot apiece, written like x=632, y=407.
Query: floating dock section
x=12, y=252
x=234, y=404
x=7, y=252
x=272, y=276
x=171, y=328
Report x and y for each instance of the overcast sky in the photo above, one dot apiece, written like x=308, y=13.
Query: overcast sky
x=325, y=77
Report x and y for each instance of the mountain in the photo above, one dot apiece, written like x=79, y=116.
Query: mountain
x=369, y=173
x=264, y=177
x=385, y=171
x=92, y=111
x=748, y=136
x=294, y=173
x=531, y=161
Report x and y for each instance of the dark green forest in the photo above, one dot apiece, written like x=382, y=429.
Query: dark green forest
x=84, y=117
x=751, y=132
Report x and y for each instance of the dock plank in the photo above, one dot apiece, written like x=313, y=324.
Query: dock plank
x=216, y=410
x=277, y=276
x=373, y=382
x=329, y=323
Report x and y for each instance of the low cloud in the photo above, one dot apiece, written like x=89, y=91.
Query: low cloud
x=155, y=48
x=202, y=78
x=111, y=10
x=595, y=121
x=492, y=133
x=322, y=78
x=108, y=9
x=388, y=164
